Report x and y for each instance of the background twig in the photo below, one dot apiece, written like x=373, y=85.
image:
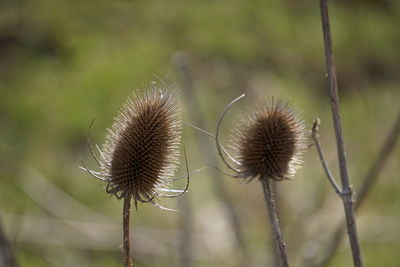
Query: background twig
x=7, y=257
x=180, y=61
x=347, y=192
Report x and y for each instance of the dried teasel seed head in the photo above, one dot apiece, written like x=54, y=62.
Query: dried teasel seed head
x=270, y=141
x=141, y=152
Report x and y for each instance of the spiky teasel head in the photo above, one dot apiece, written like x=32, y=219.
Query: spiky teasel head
x=270, y=141
x=141, y=152
x=267, y=143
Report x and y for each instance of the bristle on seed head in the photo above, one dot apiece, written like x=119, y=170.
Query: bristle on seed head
x=141, y=152
x=269, y=143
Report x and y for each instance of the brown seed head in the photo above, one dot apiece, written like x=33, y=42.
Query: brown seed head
x=141, y=151
x=270, y=142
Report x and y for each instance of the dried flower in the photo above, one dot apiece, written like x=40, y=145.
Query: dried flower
x=141, y=152
x=268, y=143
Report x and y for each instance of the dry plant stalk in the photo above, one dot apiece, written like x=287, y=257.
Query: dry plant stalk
x=7, y=255
x=268, y=144
x=181, y=62
x=346, y=192
x=141, y=153
x=367, y=184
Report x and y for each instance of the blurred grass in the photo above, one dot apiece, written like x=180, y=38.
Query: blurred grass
x=63, y=63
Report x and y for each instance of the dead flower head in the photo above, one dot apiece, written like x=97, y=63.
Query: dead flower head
x=141, y=152
x=267, y=143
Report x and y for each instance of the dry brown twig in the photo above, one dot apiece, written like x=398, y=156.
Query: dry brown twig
x=346, y=192
x=368, y=182
x=7, y=255
x=181, y=63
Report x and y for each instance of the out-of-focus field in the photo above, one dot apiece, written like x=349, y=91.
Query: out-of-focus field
x=63, y=63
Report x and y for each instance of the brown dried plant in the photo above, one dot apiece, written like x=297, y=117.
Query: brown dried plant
x=268, y=144
x=141, y=153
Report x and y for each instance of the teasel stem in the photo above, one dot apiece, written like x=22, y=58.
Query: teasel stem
x=273, y=217
x=346, y=192
x=125, y=223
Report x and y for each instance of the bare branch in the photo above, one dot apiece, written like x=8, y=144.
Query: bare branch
x=347, y=192
x=379, y=163
x=369, y=180
x=328, y=173
x=7, y=255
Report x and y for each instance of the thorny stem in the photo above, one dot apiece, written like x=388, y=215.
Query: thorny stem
x=127, y=247
x=273, y=217
x=347, y=192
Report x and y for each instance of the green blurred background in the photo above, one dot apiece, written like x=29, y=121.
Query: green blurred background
x=63, y=63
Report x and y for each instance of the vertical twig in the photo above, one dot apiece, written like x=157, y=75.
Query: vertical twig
x=380, y=162
x=277, y=233
x=347, y=192
x=186, y=224
x=125, y=223
x=7, y=257
x=180, y=62
x=370, y=178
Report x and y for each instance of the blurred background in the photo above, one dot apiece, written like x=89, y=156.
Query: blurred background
x=63, y=63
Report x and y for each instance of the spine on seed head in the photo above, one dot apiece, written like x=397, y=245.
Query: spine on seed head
x=141, y=151
x=269, y=142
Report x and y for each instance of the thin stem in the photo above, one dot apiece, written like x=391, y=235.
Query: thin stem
x=322, y=158
x=369, y=180
x=273, y=217
x=7, y=256
x=380, y=162
x=127, y=247
x=185, y=237
x=347, y=192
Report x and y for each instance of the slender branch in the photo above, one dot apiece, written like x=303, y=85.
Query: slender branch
x=369, y=180
x=127, y=247
x=7, y=256
x=347, y=192
x=271, y=209
x=328, y=173
x=380, y=162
